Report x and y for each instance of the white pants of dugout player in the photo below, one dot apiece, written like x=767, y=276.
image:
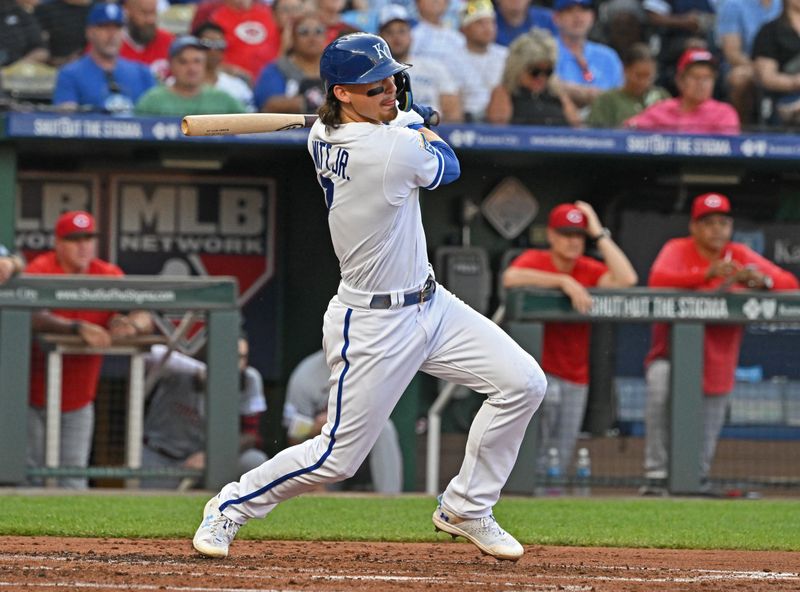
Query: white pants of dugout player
x=656, y=456
x=373, y=355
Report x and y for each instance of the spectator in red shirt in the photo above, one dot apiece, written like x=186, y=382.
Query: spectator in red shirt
x=252, y=34
x=74, y=253
x=142, y=40
x=706, y=260
x=565, y=355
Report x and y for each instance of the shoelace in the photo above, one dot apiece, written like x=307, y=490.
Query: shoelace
x=223, y=528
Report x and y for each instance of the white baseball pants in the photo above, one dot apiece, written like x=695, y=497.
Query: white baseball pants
x=373, y=355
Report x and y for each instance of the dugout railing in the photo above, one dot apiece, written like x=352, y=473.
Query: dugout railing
x=686, y=312
x=215, y=297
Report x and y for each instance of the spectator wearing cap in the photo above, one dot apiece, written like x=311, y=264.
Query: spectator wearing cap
x=20, y=35
x=252, y=35
x=565, y=360
x=63, y=24
x=706, y=260
x=776, y=56
x=585, y=68
x=431, y=82
x=693, y=111
x=484, y=58
x=638, y=93
x=213, y=37
x=529, y=93
x=75, y=253
x=738, y=22
x=517, y=17
x=292, y=84
x=676, y=26
x=187, y=93
x=142, y=40
x=101, y=80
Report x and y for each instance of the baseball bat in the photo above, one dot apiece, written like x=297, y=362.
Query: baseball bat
x=243, y=123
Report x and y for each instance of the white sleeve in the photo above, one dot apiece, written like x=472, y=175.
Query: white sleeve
x=413, y=163
x=177, y=362
x=252, y=396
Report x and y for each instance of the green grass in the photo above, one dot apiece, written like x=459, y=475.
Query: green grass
x=670, y=523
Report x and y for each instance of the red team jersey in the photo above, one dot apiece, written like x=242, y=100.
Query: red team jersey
x=566, y=345
x=155, y=54
x=79, y=373
x=253, y=36
x=680, y=265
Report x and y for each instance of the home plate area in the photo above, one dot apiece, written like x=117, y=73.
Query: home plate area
x=48, y=563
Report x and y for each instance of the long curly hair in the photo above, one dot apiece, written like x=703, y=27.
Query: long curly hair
x=534, y=47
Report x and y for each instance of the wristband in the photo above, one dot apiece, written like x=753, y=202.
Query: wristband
x=605, y=233
x=75, y=327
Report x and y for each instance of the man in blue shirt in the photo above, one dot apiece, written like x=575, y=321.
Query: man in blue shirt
x=585, y=68
x=516, y=17
x=101, y=80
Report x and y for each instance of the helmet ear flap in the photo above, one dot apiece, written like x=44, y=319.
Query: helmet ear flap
x=405, y=97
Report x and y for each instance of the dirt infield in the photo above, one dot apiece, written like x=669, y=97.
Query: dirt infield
x=47, y=563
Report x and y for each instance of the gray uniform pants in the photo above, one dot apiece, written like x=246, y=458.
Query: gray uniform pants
x=656, y=420
x=77, y=429
x=561, y=416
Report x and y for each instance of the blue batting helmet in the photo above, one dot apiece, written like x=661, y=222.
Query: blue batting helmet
x=357, y=59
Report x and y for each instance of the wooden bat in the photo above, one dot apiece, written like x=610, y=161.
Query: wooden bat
x=243, y=123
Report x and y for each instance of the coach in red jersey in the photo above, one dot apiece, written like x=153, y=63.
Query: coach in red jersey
x=75, y=252
x=705, y=260
x=565, y=355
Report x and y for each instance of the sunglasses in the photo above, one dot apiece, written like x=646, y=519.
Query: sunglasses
x=304, y=31
x=536, y=72
x=214, y=43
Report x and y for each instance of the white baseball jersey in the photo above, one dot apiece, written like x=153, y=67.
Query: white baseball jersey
x=373, y=209
x=377, y=333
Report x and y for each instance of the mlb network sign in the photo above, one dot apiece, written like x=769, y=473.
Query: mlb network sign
x=42, y=198
x=183, y=226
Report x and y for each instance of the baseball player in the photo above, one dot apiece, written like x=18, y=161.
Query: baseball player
x=706, y=260
x=389, y=318
x=305, y=411
x=565, y=357
x=174, y=423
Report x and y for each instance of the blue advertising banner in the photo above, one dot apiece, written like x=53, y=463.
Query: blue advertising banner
x=555, y=140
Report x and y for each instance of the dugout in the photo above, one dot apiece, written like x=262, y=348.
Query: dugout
x=251, y=207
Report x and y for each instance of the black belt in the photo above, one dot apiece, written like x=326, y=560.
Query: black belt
x=426, y=293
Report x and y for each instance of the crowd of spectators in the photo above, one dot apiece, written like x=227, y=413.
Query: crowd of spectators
x=265, y=55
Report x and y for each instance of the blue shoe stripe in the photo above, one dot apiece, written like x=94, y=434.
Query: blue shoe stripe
x=327, y=453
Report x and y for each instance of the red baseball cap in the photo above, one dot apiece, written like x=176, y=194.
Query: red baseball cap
x=710, y=203
x=567, y=217
x=694, y=55
x=74, y=224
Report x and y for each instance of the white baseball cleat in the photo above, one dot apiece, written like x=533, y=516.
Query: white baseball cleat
x=216, y=532
x=485, y=533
